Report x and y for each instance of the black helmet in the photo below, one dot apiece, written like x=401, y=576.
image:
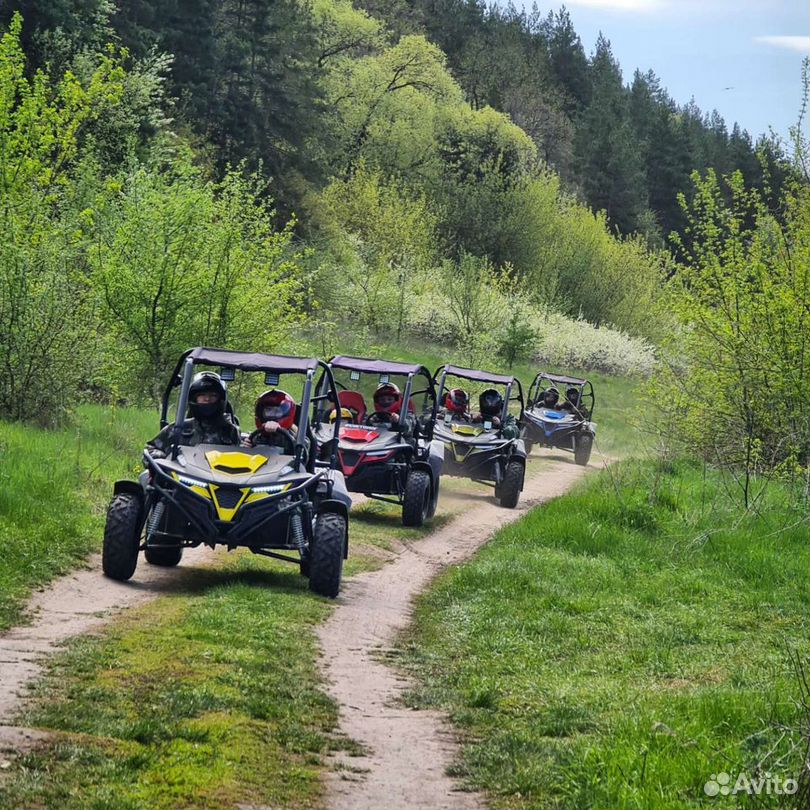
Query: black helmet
x=490, y=402
x=573, y=396
x=207, y=381
x=550, y=397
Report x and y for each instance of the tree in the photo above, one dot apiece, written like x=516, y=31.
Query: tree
x=46, y=322
x=607, y=151
x=735, y=387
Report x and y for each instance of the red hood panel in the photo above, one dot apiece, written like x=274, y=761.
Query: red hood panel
x=358, y=434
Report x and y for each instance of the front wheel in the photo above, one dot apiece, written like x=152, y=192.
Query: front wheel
x=582, y=448
x=416, y=503
x=512, y=484
x=326, y=554
x=122, y=534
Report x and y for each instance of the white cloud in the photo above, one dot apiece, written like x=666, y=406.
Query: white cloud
x=800, y=44
x=620, y=5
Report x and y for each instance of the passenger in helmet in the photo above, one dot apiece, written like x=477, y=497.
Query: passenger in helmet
x=209, y=424
x=573, y=402
x=457, y=404
x=274, y=416
x=346, y=415
x=490, y=403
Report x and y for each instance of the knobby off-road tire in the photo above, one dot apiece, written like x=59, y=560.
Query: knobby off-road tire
x=122, y=534
x=326, y=554
x=582, y=449
x=512, y=484
x=528, y=444
x=416, y=503
x=167, y=557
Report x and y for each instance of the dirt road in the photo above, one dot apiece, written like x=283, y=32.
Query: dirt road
x=408, y=751
x=74, y=604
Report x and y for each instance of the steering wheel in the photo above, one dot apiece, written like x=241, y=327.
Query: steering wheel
x=287, y=434
x=376, y=418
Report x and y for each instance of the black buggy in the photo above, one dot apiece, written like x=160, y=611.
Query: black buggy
x=479, y=450
x=378, y=457
x=558, y=414
x=290, y=506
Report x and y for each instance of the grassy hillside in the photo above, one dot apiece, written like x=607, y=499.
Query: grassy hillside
x=620, y=645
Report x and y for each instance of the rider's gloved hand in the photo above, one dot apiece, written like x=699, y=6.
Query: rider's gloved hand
x=155, y=453
x=270, y=427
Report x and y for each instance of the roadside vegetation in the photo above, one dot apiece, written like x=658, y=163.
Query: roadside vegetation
x=54, y=490
x=620, y=645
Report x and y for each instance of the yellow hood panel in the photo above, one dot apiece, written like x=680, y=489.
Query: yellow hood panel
x=467, y=430
x=234, y=462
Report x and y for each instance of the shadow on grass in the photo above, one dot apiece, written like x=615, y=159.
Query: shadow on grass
x=195, y=580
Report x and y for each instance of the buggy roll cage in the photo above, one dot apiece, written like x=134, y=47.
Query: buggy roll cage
x=250, y=361
x=485, y=377
x=365, y=365
x=585, y=388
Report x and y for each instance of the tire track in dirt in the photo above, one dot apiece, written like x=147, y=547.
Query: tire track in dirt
x=76, y=603
x=408, y=752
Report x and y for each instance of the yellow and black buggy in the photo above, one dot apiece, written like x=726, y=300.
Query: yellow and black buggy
x=292, y=507
x=480, y=450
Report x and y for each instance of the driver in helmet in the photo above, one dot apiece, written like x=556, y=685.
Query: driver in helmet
x=209, y=424
x=274, y=415
x=387, y=405
x=490, y=404
x=549, y=398
x=456, y=404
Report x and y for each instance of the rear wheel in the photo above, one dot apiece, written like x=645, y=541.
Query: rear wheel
x=582, y=448
x=512, y=484
x=167, y=557
x=122, y=532
x=326, y=554
x=416, y=503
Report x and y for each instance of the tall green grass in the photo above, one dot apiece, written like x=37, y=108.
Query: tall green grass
x=54, y=487
x=620, y=645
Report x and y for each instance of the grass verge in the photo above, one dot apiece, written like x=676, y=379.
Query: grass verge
x=54, y=488
x=620, y=645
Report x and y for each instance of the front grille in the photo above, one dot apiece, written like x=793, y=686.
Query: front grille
x=228, y=498
x=350, y=459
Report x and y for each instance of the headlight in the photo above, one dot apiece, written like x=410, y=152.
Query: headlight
x=271, y=489
x=191, y=482
x=378, y=454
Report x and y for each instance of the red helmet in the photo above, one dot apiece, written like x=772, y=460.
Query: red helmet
x=276, y=406
x=457, y=400
x=388, y=390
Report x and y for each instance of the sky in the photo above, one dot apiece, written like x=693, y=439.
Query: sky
x=740, y=57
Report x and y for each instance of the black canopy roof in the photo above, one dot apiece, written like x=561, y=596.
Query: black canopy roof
x=252, y=361
x=478, y=376
x=369, y=366
x=561, y=379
